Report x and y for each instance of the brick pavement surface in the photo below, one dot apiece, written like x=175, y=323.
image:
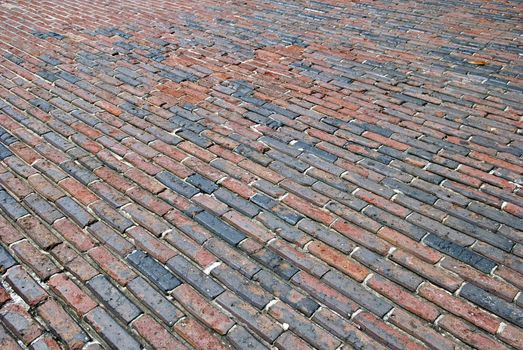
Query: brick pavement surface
x=261, y=174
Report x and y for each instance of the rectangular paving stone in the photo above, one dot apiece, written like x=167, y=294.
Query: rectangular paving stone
x=156, y=302
x=113, y=298
x=113, y=333
x=194, y=276
x=153, y=270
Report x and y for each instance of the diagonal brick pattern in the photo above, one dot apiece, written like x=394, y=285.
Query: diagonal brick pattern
x=261, y=174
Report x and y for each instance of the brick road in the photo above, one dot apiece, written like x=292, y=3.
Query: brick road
x=261, y=174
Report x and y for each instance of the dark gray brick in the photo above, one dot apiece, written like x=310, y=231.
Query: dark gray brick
x=226, y=232
x=241, y=339
x=10, y=206
x=113, y=298
x=236, y=202
x=388, y=268
x=241, y=286
x=357, y=292
x=176, y=184
x=275, y=263
x=202, y=183
x=263, y=201
x=492, y=303
x=112, y=332
x=160, y=305
x=153, y=270
x=463, y=254
x=194, y=276
x=78, y=172
x=6, y=260
x=75, y=211
x=285, y=292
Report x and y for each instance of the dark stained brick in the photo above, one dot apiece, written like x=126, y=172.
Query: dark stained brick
x=214, y=224
x=113, y=298
x=110, y=330
x=153, y=270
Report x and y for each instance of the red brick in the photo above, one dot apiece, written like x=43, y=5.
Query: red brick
x=468, y=334
x=111, y=265
x=202, y=309
x=156, y=335
x=72, y=294
x=460, y=307
x=338, y=260
x=196, y=335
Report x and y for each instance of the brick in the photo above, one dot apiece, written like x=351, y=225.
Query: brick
x=61, y=323
x=39, y=263
x=75, y=211
x=74, y=234
x=470, y=274
x=258, y=323
x=233, y=258
x=345, y=330
x=512, y=335
x=214, y=224
x=197, y=335
x=147, y=219
x=111, y=265
x=45, y=343
x=6, y=259
x=492, y=303
x=71, y=293
x=432, y=273
x=390, y=270
x=38, y=232
x=25, y=286
x=80, y=191
x=154, y=271
x=241, y=286
x=361, y=236
x=403, y=298
x=113, y=298
x=241, y=339
x=300, y=325
x=357, y=292
x=194, y=276
x=387, y=335
x=111, y=216
x=156, y=335
x=460, y=307
x=155, y=301
x=417, y=328
x=468, y=334
x=338, y=260
x=323, y=293
x=202, y=309
x=114, y=334
x=463, y=254
x=110, y=237
x=300, y=259
x=20, y=323
x=10, y=206
x=6, y=341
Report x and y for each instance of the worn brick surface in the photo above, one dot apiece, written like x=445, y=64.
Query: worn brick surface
x=261, y=175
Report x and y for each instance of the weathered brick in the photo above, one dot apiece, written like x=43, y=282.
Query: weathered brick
x=202, y=309
x=300, y=325
x=154, y=271
x=20, y=323
x=25, y=286
x=214, y=224
x=63, y=324
x=160, y=305
x=39, y=263
x=357, y=292
x=197, y=335
x=156, y=335
x=492, y=303
x=194, y=276
x=241, y=339
x=114, y=334
x=258, y=323
x=113, y=298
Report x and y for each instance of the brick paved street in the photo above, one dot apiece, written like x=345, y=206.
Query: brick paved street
x=209, y=175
